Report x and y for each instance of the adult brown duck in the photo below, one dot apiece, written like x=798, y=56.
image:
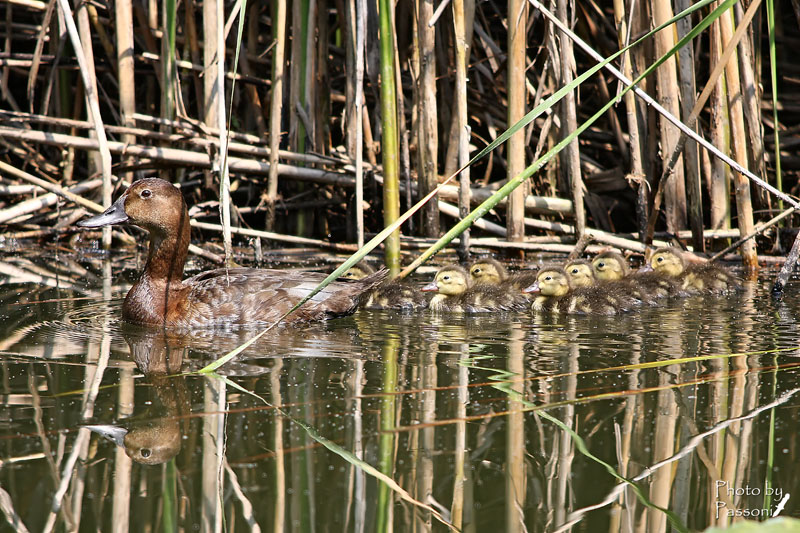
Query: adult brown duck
x=216, y=298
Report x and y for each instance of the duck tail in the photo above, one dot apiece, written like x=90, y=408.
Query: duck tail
x=373, y=280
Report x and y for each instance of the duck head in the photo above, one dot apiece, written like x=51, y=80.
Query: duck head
x=668, y=262
x=358, y=271
x=488, y=271
x=450, y=280
x=609, y=266
x=580, y=273
x=551, y=281
x=151, y=203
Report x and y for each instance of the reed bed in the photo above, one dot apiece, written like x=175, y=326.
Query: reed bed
x=320, y=122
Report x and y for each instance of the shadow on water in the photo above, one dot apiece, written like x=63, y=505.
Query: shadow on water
x=379, y=420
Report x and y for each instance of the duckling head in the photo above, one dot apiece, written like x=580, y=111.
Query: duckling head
x=450, y=280
x=358, y=271
x=551, y=281
x=609, y=266
x=488, y=271
x=580, y=273
x=668, y=262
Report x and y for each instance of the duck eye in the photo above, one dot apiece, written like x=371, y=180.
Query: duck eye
x=476, y=271
x=146, y=193
x=600, y=264
x=660, y=259
x=574, y=270
x=548, y=278
x=446, y=278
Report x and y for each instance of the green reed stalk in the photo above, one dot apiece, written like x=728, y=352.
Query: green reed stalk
x=169, y=492
x=383, y=520
x=168, y=59
x=391, y=187
x=773, y=72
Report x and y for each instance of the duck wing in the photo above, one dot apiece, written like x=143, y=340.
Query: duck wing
x=247, y=295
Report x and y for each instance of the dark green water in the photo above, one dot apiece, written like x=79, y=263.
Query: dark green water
x=501, y=423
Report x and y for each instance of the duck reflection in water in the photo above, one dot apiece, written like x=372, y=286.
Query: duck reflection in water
x=154, y=435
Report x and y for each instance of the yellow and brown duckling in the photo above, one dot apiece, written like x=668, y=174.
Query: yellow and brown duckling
x=456, y=293
x=647, y=287
x=581, y=274
x=555, y=294
x=390, y=294
x=492, y=272
x=693, y=278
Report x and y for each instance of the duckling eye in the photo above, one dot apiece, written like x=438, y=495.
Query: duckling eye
x=445, y=278
x=601, y=264
x=659, y=259
x=548, y=278
x=146, y=193
x=476, y=271
x=574, y=270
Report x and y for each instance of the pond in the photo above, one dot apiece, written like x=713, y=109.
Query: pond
x=682, y=416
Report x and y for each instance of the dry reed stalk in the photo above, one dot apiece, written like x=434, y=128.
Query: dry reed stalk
x=123, y=12
x=569, y=123
x=276, y=106
x=636, y=174
x=359, y=119
x=463, y=129
x=690, y=152
x=517, y=21
x=667, y=81
x=744, y=208
x=427, y=123
x=752, y=107
x=516, y=479
x=719, y=193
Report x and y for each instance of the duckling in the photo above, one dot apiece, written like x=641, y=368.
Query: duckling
x=580, y=274
x=491, y=272
x=457, y=294
x=645, y=286
x=556, y=295
x=390, y=294
x=694, y=278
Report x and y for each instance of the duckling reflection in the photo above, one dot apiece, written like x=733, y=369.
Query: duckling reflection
x=154, y=435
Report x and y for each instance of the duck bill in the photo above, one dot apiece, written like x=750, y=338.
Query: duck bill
x=113, y=215
x=646, y=268
x=533, y=289
x=430, y=287
x=113, y=433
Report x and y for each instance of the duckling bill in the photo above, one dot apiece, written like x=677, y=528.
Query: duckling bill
x=456, y=293
x=555, y=294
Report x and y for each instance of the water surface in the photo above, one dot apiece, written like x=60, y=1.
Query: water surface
x=511, y=422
